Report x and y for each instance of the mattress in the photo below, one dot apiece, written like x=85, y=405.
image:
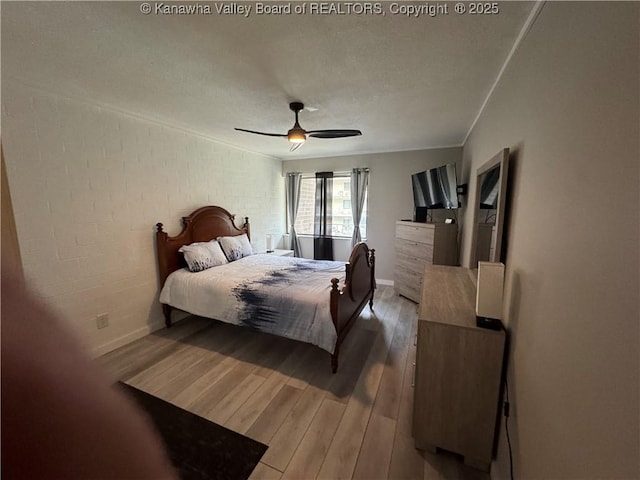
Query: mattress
x=284, y=296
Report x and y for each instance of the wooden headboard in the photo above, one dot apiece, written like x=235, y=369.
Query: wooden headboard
x=206, y=223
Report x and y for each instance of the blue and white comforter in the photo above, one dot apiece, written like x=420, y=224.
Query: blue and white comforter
x=285, y=296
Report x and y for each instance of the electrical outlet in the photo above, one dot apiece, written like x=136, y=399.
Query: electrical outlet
x=102, y=321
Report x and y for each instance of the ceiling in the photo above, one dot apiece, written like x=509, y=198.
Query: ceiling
x=407, y=82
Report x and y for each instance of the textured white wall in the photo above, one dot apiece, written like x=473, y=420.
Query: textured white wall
x=568, y=108
x=90, y=183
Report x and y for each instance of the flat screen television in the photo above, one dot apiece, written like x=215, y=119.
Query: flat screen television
x=436, y=188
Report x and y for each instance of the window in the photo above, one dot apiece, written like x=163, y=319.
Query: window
x=342, y=217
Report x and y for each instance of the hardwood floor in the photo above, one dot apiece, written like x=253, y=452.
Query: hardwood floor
x=354, y=424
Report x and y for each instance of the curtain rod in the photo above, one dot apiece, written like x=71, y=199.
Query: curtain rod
x=339, y=172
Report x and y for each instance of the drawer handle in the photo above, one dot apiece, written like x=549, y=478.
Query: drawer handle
x=415, y=341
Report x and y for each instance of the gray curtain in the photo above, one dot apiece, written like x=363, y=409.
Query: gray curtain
x=359, y=185
x=323, y=219
x=292, y=188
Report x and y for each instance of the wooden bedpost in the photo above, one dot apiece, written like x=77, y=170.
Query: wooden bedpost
x=161, y=242
x=333, y=304
x=334, y=359
x=335, y=298
x=372, y=257
x=247, y=226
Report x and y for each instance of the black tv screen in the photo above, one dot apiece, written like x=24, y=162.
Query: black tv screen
x=436, y=188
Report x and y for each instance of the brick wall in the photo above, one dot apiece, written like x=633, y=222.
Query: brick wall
x=89, y=184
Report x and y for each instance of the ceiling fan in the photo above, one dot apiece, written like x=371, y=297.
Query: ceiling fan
x=298, y=135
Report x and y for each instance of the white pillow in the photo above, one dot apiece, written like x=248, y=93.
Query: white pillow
x=203, y=255
x=236, y=247
x=246, y=245
x=216, y=253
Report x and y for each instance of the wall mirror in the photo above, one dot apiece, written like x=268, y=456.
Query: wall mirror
x=488, y=220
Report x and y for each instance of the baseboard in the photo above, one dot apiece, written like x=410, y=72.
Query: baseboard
x=382, y=281
x=128, y=338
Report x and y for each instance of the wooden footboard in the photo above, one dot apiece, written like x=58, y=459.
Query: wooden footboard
x=348, y=302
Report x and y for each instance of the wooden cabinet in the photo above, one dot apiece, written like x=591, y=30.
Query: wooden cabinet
x=418, y=245
x=458, y=370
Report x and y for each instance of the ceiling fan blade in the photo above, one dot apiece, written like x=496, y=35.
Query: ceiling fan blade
x=284, y=135
x=333, y=133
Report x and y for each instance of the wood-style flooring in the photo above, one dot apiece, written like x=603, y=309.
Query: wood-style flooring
x=355, y=424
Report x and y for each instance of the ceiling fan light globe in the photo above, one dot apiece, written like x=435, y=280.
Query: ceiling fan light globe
x=296, y=136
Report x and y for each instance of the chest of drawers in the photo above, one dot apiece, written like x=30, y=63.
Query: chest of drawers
x=418, y=245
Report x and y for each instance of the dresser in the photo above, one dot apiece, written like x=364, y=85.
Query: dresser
x=458, y=370
x=418, y=245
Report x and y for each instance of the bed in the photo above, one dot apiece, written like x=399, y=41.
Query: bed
x=307, y=300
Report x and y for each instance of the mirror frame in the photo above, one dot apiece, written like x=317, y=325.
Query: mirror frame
x=501, y=159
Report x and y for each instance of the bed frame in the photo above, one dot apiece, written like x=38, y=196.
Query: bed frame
x=210, y=222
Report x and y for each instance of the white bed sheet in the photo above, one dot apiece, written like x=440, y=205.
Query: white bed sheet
x=285, y=296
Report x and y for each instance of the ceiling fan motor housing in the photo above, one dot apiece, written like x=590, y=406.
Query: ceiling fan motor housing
x=296, y=106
